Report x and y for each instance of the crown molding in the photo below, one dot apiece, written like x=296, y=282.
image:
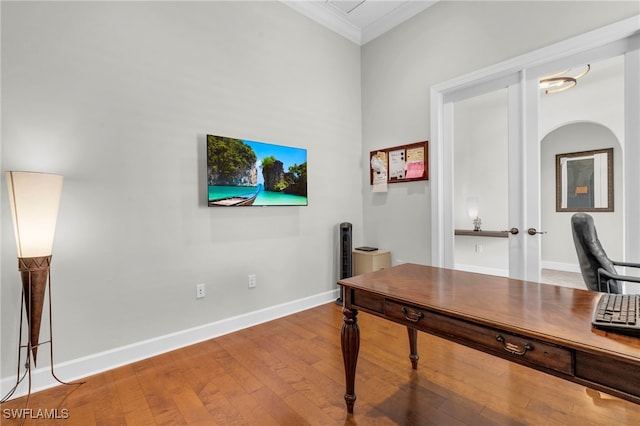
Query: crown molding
x=319, y=12
x=322, y=15
x=394, y=18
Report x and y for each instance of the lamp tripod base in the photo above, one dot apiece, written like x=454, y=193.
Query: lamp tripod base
x=35, y=277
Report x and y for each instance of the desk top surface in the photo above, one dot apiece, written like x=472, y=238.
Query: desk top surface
x=555, y=314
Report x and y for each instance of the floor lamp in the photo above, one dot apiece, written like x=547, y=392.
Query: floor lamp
x=34, y=200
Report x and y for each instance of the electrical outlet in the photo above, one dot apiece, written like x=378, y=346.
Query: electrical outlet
x=200, y=291
x=252, y=281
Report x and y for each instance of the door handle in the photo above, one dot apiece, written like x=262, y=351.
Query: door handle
x=513, y=231
x=533, y=231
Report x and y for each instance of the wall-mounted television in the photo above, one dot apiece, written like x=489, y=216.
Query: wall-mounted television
x=247, y=173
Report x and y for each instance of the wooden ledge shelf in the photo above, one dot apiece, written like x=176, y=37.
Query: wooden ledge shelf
x=470, y=233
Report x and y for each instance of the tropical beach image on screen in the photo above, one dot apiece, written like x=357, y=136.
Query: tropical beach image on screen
x=248, y=173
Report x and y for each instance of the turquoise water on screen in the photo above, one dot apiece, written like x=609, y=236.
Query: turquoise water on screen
x=265, y=198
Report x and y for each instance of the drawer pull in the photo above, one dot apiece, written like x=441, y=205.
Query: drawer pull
x=411, y=315
x=512, y=347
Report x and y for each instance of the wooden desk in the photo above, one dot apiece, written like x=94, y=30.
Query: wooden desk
x=542, y=326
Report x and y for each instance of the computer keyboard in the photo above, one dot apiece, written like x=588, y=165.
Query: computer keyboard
x=618, y=312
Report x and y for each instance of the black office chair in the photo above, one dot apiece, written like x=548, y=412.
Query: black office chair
x=598, y=271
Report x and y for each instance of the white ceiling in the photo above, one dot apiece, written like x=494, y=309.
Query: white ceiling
x=359, y=20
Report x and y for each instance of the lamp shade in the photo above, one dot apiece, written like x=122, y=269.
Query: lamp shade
x=34, y=199
x=472, y=206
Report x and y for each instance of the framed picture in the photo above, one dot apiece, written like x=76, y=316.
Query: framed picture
x=404, y=163
x=584, y=181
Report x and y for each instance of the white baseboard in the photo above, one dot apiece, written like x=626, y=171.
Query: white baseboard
x=559, y=266
x=87, y=366
x=482, y=270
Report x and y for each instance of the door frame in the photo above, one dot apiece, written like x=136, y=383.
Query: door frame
x=520, y=74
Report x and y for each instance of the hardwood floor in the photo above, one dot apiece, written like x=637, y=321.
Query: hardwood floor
x=290, y=372
x=563, y=278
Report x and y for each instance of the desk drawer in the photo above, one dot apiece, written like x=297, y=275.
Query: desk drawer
x=487, y=339
x=616, y=373
x=367, y=301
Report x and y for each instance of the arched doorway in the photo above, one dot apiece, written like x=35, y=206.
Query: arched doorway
x=558, y=253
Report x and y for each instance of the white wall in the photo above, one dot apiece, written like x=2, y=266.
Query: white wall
x=447, y=40
x=118, y=98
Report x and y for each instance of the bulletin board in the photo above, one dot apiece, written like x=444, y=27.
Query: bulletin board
x=404, y=163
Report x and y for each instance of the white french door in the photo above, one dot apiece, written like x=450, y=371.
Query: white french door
x=518, y=78
x=492, y=177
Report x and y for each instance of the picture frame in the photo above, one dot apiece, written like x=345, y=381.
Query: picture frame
x=584, y=181
x=403, y=163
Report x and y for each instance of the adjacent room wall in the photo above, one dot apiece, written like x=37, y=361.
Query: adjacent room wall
x=118, y=98
x=577, y=137
x=450, y=39
x=576, y=122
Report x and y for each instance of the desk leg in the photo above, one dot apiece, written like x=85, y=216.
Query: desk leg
x=413, y=347
x=350, y=347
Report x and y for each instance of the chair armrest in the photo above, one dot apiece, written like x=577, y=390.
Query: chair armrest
x=603, y=273
x=627, y=264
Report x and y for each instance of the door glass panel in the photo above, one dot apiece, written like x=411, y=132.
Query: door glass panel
x=480, y=146
x=589, y=116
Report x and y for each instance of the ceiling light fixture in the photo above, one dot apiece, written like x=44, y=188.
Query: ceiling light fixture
x=556, y=83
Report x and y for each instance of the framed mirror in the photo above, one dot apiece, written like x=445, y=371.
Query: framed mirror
x=584, y=181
